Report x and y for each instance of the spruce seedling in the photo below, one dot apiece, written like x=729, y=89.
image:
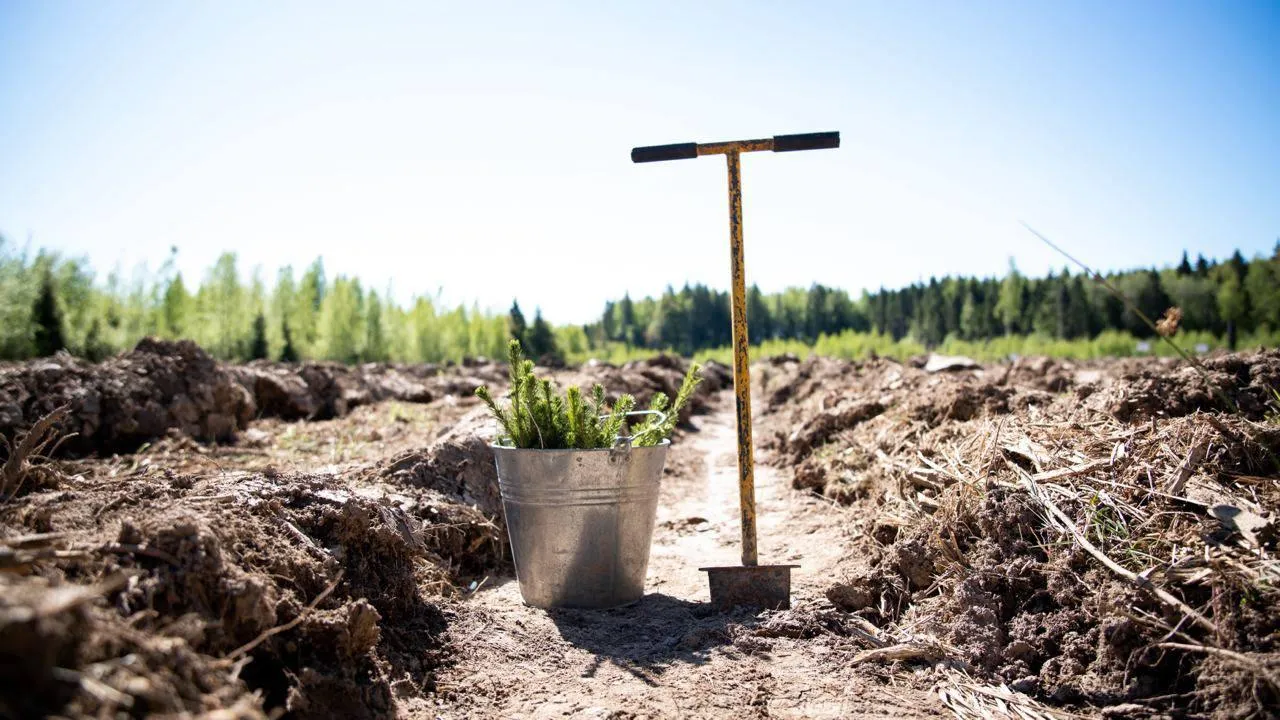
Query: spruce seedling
x=538, y=417
x=654, y=430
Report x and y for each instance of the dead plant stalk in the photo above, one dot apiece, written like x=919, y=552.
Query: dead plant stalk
x=42, y=434
x=1135, y=579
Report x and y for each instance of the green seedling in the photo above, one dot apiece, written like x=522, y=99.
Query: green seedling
x=540, y=418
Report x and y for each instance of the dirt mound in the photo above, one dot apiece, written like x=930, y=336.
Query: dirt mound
x=123, y=402
x=167, y=593
x=163, y=388
x=319, y=391
x=1239, y=383
x=645, y=378
x=459, y=464
x=1076, y=552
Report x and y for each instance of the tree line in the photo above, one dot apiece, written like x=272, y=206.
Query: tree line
x=49, y=303
x=1224, y=299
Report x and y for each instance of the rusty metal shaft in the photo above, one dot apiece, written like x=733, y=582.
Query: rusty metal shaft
x=741, y=364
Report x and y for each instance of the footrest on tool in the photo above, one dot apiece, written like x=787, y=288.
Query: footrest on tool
x=767, y=587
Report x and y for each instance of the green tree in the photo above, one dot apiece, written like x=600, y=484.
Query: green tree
x=928, y=326
x=1184, y=267
x=1080, y=321
x=288, y=353
x=49, y=337
x=971, y=326
x=1232, y=304
x=1198, y=299
x=517, y=326
x=95, y=348
x=542, y=340
x=375, y=339
x=258, y=343
x=225, y=318
x=341, y=327
x=175, y=307
x=1010, y=306
x=1262, y=285
x=815, y=312
x=609, y=323
x=304, y=316
x=628, y=328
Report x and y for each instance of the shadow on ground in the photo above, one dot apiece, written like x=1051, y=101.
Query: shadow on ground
x=646, y=638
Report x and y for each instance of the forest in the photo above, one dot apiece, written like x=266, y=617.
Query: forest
x=49, y=302
x=1231, y=302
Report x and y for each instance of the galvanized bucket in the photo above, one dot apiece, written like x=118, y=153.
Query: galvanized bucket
x=581, y=521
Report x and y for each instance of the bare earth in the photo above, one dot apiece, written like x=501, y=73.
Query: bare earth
x=671, y=655
x=1033, y=539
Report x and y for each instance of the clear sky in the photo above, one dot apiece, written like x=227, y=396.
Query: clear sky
x=481, y=149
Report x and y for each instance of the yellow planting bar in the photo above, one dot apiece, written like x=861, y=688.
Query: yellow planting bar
x=732, y=151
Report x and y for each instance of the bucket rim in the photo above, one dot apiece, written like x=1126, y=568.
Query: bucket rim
x=666, y=443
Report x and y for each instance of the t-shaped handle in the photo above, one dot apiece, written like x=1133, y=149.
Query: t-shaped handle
x=778, y=143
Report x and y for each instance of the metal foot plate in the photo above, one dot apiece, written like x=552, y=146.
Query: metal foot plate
x=766, y=587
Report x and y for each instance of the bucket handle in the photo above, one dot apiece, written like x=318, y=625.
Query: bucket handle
x=627, y=440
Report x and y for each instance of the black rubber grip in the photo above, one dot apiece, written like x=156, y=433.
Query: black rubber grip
x=654, y=153
x=806, y=141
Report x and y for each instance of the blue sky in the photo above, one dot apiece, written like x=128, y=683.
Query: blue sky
x=480, y=150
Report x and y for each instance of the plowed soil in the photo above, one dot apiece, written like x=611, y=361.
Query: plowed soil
x=1036, y=539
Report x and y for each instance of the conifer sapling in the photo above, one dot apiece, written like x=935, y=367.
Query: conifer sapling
x=537, y=417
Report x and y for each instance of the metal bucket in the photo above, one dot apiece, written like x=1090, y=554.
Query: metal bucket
x=581, y=522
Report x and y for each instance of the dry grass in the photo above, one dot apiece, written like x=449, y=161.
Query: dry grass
x=1134, y=551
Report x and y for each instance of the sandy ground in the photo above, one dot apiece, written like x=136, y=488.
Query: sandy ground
x=671, y=655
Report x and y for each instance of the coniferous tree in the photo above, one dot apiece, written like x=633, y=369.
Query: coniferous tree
x=1184, y=267
x=758, y=316
x=608, y=323
x=928, y=325
x=542, y=341
x=517, y=327
x=1147, y=294
x=815, y=316
x=95, y=348
x=258, y=344
x=627, y=326
x=49, y=337
x=288, y=353
x=1238, y=265
x=1081, y=321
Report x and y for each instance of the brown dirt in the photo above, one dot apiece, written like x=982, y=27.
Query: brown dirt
x=118, y=404
x=672, y=655
x=162, y=388
x=946, y=476
x=357, y=565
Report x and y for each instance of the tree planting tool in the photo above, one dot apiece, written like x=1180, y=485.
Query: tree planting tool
x=752, y=584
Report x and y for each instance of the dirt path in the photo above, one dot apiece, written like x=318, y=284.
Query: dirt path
x=671, y=655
